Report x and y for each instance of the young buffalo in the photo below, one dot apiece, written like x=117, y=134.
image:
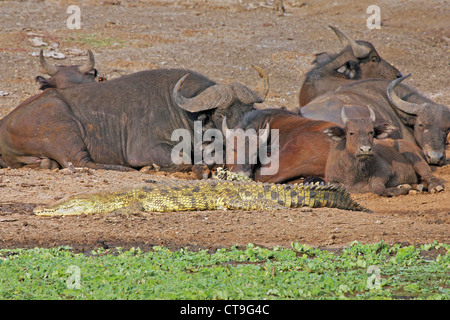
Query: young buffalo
x=363, y=164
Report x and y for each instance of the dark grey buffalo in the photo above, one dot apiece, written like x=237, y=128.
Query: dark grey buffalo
x=62, y=76
x=120, y=124
x=356, y=61
x=364, y=164
x=418, y=119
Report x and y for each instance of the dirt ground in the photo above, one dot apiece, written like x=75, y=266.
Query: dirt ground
x=221, y=39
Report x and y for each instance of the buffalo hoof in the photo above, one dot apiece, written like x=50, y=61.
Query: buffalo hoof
x=435, y=186
x=47, y=163
x=437, y=189
x=397, y=191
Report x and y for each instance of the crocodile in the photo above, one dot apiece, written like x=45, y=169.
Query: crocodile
x=205, y=195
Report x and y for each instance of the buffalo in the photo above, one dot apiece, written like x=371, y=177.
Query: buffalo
x=364, y=164
x=122, y=124
x=418, y=119
x=62, y=76
x=302, y=152
x=356, y=61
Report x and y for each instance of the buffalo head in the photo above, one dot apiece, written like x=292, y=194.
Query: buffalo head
x=243, y=152
x=358, y=60
x=431, y=123
x=358, y=135
x=230, y=101
x=361, y=60
x=67, y=76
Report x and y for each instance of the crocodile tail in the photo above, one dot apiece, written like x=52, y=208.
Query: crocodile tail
x=327, y=195
x=345, y=201
x=350, y=204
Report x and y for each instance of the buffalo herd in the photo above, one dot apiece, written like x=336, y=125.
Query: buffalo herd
x=357, y=124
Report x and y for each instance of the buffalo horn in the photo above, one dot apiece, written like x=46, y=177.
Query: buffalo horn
x=344, y=116
x=265, y=135
x=224, y=125
x=51, y=70
x=212, y=97
x=89, y=65
x=400, y=104
x=372, y=114
x=221, y=95
x=264, y=83
x=248, y=96
x=358, y=50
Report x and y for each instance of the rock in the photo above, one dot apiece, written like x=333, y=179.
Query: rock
x=37, y=42
x=74, y=52
x=50, y=54
x=146, y=169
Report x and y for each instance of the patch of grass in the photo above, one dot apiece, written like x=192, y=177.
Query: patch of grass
x=95, y=40
x=372, y=271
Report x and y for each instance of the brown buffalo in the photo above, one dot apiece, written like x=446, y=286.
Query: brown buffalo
x=418, y=119
x=429, y=121
x=62, y=76
x=303, y=147
x=363, y=164
x=357, y=60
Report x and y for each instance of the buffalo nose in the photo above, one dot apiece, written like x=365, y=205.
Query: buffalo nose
x=435, y=157
x=365, y=149
x=399, y=75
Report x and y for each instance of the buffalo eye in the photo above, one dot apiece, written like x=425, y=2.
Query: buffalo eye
x=374, y=59
x=351, y=133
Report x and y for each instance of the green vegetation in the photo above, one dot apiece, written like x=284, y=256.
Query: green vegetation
x=372, y=271
x=95, y=40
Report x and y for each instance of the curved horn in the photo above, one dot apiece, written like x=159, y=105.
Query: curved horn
x=344, y=116
x=249, y=96
x=400, y=104
x=51, y=70
x=213, y=97
x=358, y=50
x=89, y=65
x=263, y=86
x=263, y=138
x=372, y=114
x=224, y=126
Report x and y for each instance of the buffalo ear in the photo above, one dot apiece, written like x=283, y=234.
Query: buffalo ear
x=321, y=58
x=384, y=130
x=335, y=133
x=350, y=69
x=43, y=82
